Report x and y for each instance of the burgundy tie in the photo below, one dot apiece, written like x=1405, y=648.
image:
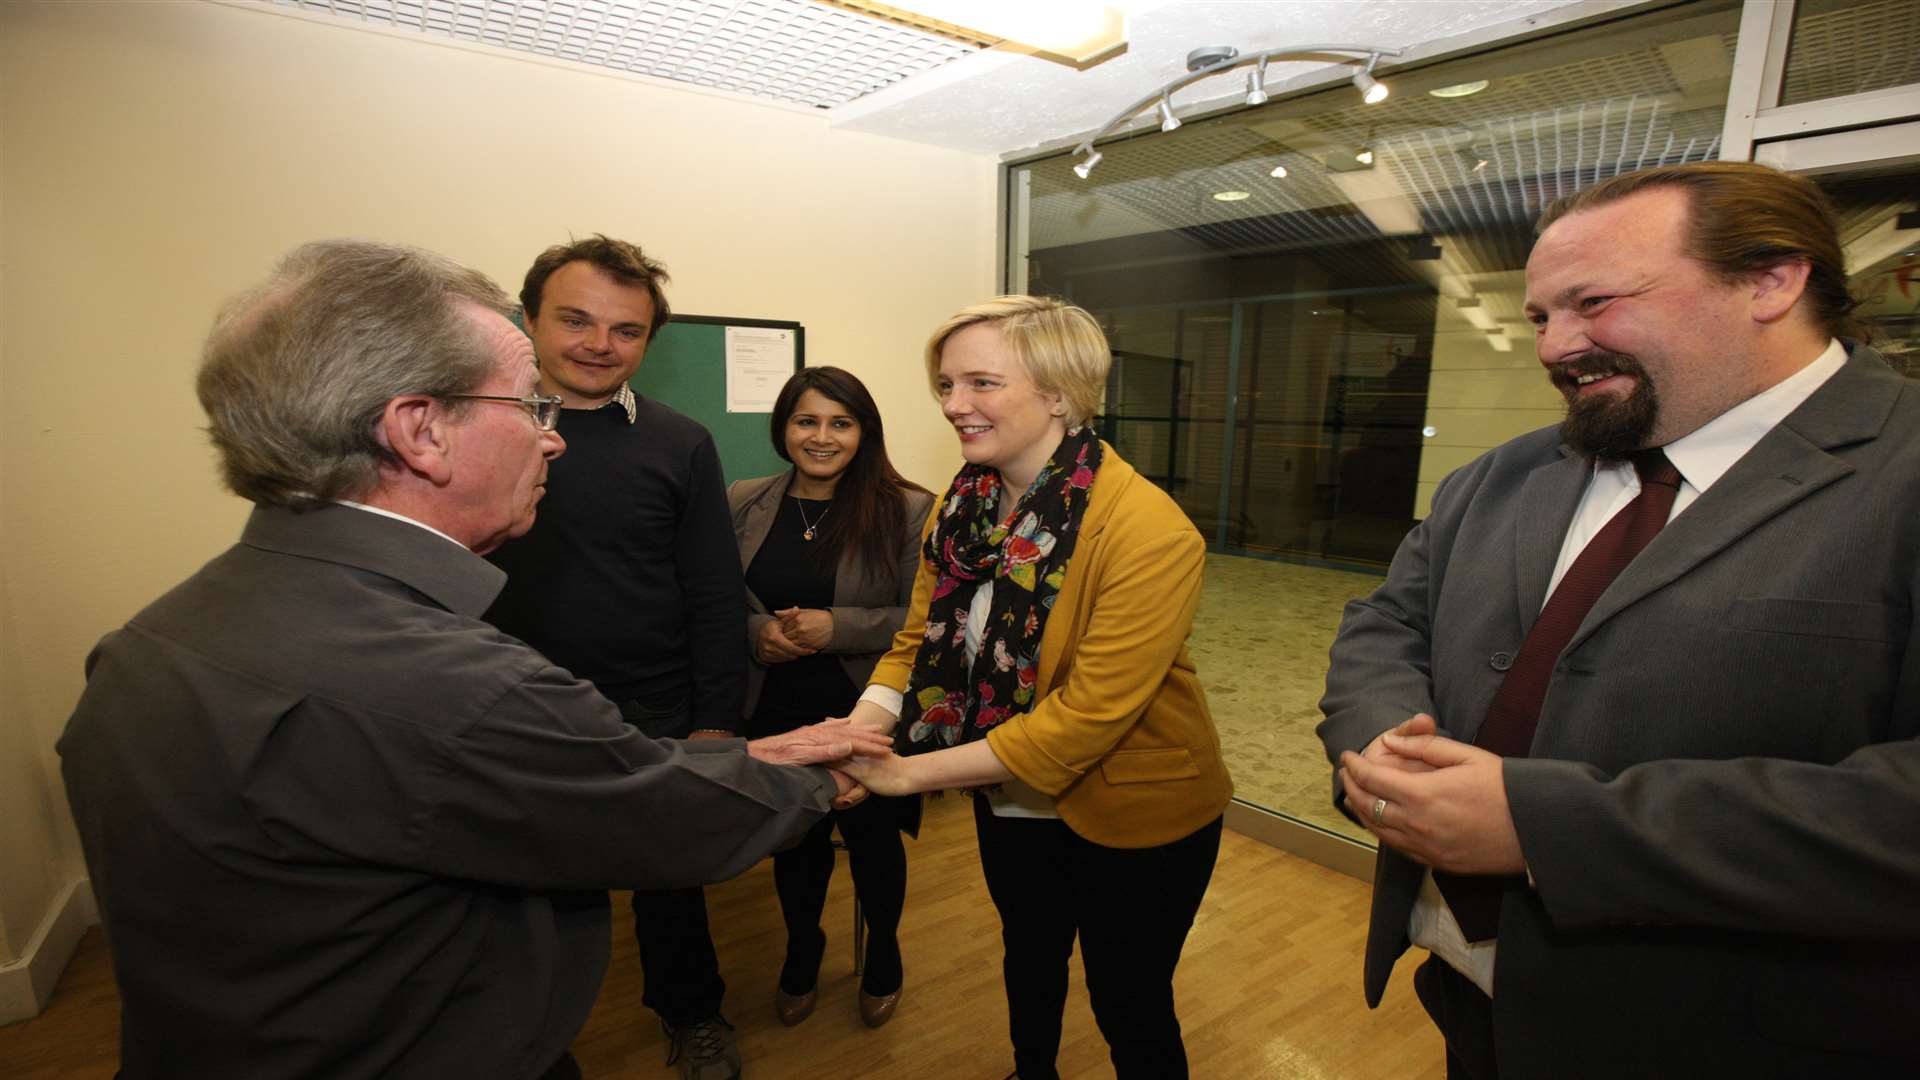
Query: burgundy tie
x=1508, y=728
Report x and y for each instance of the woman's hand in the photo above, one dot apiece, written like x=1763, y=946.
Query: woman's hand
x=884, y=774
x=810, y=628
x=775, y=647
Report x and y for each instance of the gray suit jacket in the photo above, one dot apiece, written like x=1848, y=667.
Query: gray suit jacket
x=1722, y=805
x=868, y=605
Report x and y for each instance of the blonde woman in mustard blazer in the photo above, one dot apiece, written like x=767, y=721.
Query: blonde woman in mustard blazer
x=829, y=548
x=1044, y=660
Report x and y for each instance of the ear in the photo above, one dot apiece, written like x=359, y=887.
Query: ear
x=1057, y=404
x=1778, y=288
x=415, y=427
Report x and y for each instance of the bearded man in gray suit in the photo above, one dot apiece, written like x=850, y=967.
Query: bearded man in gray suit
x=1654, y=805
x=336, y=825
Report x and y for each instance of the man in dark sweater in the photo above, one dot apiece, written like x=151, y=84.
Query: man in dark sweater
x=630, y=579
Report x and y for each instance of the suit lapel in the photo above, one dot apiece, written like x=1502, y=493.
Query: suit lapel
x=1788, y=464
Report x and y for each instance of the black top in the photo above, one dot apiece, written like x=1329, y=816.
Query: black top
x=786, y=573
x=630, y=578
x=323, y=809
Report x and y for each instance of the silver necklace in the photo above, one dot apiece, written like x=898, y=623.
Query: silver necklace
x=810, y=525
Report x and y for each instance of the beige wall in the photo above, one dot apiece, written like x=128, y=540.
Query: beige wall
x=158, y=157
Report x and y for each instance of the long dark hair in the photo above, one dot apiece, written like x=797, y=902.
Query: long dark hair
x=871, y=497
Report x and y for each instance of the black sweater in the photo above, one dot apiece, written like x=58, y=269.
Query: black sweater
x=630, y=578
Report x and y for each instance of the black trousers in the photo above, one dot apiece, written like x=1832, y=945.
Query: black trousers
x=1131, y=909
x=801, y=875
x=679, y=970
x=1464, y=1015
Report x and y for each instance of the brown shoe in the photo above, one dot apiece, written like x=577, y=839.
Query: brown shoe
x=793, y=1008
x=877, y=1010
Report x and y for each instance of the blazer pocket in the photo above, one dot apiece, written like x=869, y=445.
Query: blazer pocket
x=1848, y=619
x=1148, y=766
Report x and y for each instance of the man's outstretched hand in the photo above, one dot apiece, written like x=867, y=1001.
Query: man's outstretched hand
x=820, y=744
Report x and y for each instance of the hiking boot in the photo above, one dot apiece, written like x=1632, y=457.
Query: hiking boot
x=705, y=1049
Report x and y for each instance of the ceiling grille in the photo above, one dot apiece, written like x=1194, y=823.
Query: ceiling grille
x=794, y=51
x=1827, y=57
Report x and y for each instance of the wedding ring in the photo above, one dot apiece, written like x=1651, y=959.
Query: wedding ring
x=1379, y=807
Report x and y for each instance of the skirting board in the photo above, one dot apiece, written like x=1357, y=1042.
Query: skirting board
x=26, y=985
x=1329, y=849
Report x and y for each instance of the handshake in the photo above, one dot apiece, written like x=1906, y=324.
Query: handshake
x=844, y=747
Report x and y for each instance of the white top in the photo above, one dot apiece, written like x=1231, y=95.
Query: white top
x=1702, y=458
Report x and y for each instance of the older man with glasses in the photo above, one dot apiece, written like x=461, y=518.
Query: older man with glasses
x=336, y=825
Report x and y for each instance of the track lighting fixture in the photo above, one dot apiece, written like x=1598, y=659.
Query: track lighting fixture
x=1257, y=84
x=1168, y=121
x=1372, y=90
x=1209, y=60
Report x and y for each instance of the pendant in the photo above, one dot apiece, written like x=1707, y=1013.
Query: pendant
x=808, y=535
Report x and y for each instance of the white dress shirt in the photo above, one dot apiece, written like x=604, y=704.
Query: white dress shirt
x=400, y=517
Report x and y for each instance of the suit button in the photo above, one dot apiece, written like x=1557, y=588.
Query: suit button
x=1500, y=661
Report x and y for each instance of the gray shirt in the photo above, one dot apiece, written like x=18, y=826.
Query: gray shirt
x=337, y=826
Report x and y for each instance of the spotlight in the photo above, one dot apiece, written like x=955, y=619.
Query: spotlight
x=1081, y=170
x=1372, y=90
x=1365, y=156
x=1479, y=164
x=1168, y=121
x=1279, y=172
x=1257, y=85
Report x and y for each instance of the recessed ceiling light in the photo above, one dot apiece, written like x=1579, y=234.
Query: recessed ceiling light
x=1459, y=89
x=1232, y=196
x=1279, y=172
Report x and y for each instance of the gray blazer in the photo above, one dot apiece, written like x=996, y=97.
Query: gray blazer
x=1722, y=805
x=868, y=608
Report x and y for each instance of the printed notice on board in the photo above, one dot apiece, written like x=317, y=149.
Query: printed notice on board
x=759, y=363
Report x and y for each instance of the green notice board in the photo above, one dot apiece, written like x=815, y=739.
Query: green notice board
x=686, y=368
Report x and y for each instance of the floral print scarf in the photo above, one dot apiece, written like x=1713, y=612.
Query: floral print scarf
x=1025, y=555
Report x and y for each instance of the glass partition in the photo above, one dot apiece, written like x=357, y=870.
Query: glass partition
x=1315, y=307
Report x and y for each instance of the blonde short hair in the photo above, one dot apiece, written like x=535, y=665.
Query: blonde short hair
x=1061, y=347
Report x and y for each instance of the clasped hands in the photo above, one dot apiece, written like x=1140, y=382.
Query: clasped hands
x=838, y=744
x=793, y=633
x=1446, y=801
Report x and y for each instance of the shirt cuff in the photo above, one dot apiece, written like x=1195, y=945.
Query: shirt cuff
x=886, y=697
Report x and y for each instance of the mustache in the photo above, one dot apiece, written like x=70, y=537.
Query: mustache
x=1566, y=376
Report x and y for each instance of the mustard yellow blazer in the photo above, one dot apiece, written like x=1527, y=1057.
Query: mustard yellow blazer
x=1119, y=734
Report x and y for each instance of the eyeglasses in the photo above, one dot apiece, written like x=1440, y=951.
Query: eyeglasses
x=545, y=408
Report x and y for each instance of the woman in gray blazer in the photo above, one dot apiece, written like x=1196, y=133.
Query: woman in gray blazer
x=830, y=548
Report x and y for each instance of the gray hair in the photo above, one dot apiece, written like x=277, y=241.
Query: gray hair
x=296, y=372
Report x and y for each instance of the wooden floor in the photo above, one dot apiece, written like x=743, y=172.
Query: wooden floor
x=1269, y=985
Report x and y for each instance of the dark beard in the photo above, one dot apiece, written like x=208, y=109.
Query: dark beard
x=1608, y=429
